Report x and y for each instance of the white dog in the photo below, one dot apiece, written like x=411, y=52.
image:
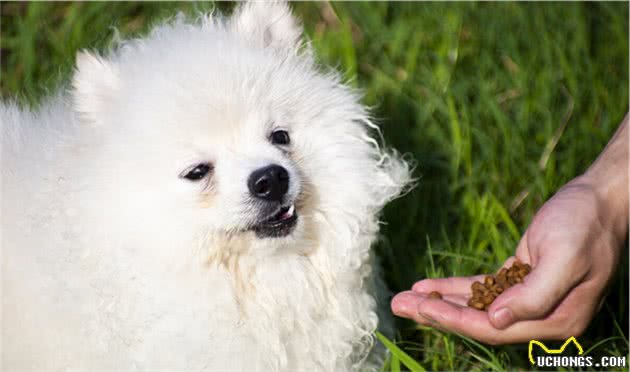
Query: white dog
x=202, y=199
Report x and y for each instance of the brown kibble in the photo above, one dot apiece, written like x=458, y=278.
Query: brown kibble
x=478, y=305
x=435, y=295
x=483, y=294
x=502, y=281
x=522, y=272
x=517, y=263
x=488, y=281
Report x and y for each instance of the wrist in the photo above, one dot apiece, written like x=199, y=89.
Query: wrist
x=608, y=178
x=610, y=187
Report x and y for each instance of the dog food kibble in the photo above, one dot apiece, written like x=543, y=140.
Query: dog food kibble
x=435, y=295
x=483, y=294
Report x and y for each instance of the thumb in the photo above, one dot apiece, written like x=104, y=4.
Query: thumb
x=538, y=294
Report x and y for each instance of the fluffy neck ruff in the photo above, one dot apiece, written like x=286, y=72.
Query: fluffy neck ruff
x=316, y=302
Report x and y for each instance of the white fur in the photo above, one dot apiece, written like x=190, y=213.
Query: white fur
x=111, y=261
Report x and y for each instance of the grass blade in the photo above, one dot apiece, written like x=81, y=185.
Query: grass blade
x=397, y=353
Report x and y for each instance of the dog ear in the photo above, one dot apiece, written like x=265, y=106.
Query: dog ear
x=270, y=24
x=95, y=83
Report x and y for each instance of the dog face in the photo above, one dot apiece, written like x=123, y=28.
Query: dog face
x=242, y=177
x=225, y=130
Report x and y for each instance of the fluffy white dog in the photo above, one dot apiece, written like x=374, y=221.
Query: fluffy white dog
x=204, y=198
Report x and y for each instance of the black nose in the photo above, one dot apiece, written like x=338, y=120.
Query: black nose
x=269, y=183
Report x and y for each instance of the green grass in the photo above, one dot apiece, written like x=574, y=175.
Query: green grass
x=499, y=103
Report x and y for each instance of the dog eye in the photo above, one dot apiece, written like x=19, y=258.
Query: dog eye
x=280, y=137
x=197, y=172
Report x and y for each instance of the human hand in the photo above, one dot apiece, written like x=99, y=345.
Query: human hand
x=573, y=244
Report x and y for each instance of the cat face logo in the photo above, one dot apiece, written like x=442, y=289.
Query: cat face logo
x=553, y=351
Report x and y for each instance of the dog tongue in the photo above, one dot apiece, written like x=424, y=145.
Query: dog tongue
x=289, y=213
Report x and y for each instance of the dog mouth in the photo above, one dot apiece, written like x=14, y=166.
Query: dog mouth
x=279, y=224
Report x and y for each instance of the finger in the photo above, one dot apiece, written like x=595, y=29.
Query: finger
x=577, y=309
x=537, y=295
x=475, y=324
x=452, y=285
x=416, y=298
x=461, y=300
x=522, y=254
x=405, y=304
x=522, y=251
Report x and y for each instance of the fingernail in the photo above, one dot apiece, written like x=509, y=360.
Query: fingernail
x=503, y=317
x=403, y=305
